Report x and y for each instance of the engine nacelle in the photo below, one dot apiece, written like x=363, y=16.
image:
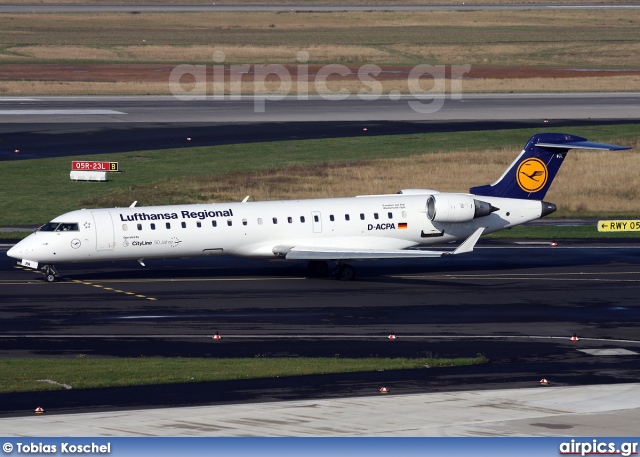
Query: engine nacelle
x=456, y=208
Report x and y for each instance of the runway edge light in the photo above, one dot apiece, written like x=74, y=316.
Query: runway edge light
x=384, y=390
x=575, y=338
x=392, y=336
x=544, y=382
x=216, y=336
x=39, y=410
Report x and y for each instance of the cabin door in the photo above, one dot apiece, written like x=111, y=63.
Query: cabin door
x=103, y=223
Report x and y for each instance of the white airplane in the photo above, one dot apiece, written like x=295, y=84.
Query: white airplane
x=320, y=230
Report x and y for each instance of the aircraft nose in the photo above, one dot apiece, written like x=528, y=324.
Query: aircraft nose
x=19, y=250
x=15, y=251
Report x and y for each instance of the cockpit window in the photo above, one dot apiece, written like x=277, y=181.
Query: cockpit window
x=60, y=227
x=68, y=227
x=50, y=227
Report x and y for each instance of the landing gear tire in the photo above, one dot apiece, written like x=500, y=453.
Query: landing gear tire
x=317, y=268
x=345, y=273
x=49, y=272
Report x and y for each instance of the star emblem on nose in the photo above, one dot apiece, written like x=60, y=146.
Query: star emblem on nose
x=87, y=225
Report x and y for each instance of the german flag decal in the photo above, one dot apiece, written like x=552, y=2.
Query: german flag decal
x=402, y=225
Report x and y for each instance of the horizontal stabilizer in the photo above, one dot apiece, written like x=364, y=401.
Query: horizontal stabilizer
x=583, y=145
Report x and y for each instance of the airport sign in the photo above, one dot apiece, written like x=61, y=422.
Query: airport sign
x=619, y=226
x=85, y=165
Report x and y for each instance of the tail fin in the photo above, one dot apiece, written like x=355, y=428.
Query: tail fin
x=530, y=175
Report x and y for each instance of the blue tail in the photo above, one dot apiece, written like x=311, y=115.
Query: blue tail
x=530, y=175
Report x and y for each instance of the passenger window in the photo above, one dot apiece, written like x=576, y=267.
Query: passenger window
x=390, y=215
x=346, y=217
x=302, y=219
x=362, y=216
x=290, y=220
x=229, y=223
x=244, y=222
x=184, y=225
x=375, y=215
x=139, y=226
x=331, y=218
x=168, y=225
x=404, y=214
x=214, y=223
x=259, y=221
x=199, y=224
x=275, y=220
x=125, y=227
x=153, y=226
x=316, y=218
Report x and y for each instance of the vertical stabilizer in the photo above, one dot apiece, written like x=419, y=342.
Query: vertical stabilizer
x=531, y=174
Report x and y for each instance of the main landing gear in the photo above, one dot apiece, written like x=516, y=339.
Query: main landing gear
x=49, y=273
x=344, y=272
x=320, y=269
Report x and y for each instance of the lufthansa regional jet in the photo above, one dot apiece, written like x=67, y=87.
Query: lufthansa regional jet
x=339, y=230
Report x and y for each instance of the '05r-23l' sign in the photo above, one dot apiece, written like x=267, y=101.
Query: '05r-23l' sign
x=93, y=166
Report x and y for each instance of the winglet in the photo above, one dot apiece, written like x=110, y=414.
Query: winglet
x=469, y=243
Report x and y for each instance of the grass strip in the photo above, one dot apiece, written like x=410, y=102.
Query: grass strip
x=556, y=232
x=356, y=37
x=33, y=374
x=34, y=191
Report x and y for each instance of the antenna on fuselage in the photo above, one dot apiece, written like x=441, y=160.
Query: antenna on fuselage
x=133, y=204
x=245, y=199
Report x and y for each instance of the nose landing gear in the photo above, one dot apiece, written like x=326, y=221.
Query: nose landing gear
x=49, y=273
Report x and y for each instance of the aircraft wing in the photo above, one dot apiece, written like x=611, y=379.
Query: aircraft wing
x=327, y=253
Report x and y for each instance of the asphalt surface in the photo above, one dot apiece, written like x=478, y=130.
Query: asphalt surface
x=71, y=139
x=188, y=108
x=518, y=304
x=61, y=126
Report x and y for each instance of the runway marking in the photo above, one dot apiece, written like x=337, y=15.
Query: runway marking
x=76, y=281
x=580, y=276
x=149, y=280
x=168, y=280
x=58, y=112
x=530, y=276
x=614, y=351
x=326, y=337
